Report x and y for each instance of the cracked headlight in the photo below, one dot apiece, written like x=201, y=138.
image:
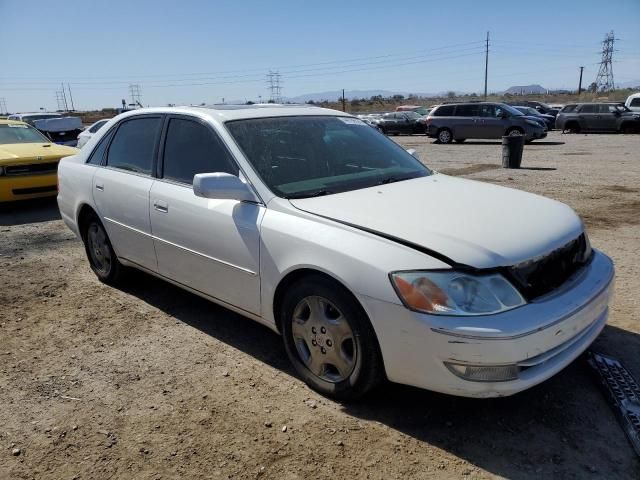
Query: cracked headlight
x=455, y=293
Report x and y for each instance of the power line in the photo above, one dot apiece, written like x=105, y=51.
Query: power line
x=604, y=79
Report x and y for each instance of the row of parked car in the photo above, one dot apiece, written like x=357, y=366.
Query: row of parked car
x=490, y=120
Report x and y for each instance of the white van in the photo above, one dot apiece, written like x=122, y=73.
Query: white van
x=633, y=102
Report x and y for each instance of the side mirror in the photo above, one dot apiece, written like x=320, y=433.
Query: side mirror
x=413, y=153
x=222, y=186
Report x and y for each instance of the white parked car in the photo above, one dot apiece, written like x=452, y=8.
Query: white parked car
x=87, y=133
x=633, y=102
x=369, y=264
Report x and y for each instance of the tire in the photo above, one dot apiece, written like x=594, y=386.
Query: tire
x=515, y=132
x=460, y=140
x=329, y=339
x=445, y=136
x=102, y=257
x=628, y=128
x=572, y=127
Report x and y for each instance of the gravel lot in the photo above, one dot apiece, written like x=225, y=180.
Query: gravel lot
x=150, y=382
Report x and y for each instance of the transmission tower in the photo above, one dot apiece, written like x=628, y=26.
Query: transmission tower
x=604, y=79
x=136, y=95
x=274, y=80
x=3, y=106
x=61, y=100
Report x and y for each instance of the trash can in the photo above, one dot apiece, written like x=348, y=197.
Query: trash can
x=512, y=151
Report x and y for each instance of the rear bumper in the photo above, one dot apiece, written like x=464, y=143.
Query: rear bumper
x=538, y=339
x=29, y=186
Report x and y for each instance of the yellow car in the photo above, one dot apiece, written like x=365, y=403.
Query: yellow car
x=28, y=162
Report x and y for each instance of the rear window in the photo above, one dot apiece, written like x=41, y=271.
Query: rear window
x=569, y=108
x=635, y=102
x=132, y=148
x=443, y=111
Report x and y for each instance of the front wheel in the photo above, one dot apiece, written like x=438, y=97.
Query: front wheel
x=329, y=339
x=515, y=132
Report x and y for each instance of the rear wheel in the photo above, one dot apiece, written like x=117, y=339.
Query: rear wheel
x=572, y=127
x=329, y=339
x=102, y=257
x=445, y=136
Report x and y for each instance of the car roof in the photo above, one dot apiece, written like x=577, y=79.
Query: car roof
x=225, y=113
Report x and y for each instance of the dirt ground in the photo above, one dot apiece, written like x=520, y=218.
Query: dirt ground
x=150, y=382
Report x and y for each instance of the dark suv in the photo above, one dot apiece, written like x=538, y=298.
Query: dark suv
x=401, y=122
x=602, y=117
x=460, y=121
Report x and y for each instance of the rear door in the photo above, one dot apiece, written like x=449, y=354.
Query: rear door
x=209, y=245
x=589, y=116
x=468, y=123
x=121, y=188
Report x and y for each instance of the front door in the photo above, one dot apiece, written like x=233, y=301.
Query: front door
x=492, y=123
x=211, y=246
x=121, y=189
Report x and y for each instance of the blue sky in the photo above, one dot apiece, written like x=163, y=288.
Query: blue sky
x=192, y=51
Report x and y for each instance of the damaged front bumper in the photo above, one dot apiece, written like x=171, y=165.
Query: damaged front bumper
x=495, y=355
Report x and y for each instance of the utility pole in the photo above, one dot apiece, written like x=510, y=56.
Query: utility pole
x=343, y=105
x=275, y=88
x=3, y=106
x=486, y=66
x=73, y=108
x=580, y=82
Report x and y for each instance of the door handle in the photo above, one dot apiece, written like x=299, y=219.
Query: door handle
x=161, y=206
x=100, y=187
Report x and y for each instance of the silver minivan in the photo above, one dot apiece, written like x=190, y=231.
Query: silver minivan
x=459, y=121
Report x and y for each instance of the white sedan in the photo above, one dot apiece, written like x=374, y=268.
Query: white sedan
x=87, y=133
x=369, y=264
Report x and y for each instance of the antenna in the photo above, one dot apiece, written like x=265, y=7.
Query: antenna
x=274, y=80
x=604, y=79
x=135, y=92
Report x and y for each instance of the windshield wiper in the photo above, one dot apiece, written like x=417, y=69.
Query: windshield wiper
x=316, y=193
x=392, y=179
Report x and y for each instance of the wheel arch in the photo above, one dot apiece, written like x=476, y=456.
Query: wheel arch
x=84, y=213
x=296, y=275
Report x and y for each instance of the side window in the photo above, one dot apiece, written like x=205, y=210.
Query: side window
x=192, y=148
x=98, y=153
x=97, y=126
x=609, y=108
x=133, y=145
x=568, y=108
x=468, y=110
x=487, y=111
x=588, y=109
x=444, y=111
x=635, y=102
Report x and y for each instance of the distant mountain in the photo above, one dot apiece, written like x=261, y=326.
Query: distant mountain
x=526, y=90
x=629, y=84
x=335, y=95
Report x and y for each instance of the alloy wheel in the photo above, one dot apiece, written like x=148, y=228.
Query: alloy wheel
x=99, y=249
x=323, y=339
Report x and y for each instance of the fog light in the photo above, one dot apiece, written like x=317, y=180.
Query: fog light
x=477, y=373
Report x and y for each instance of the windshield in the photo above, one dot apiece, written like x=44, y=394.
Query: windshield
x=528, y=111
x=412, y=115
x=511, y=110
x=308, y=156
x=19, y=133
x=422, y=111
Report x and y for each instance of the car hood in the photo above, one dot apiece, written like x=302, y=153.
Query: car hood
x=468, y=222
x=16, y=153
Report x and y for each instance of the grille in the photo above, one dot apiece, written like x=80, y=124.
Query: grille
x=536, y=278
x=31, y=169
x=622, y=391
